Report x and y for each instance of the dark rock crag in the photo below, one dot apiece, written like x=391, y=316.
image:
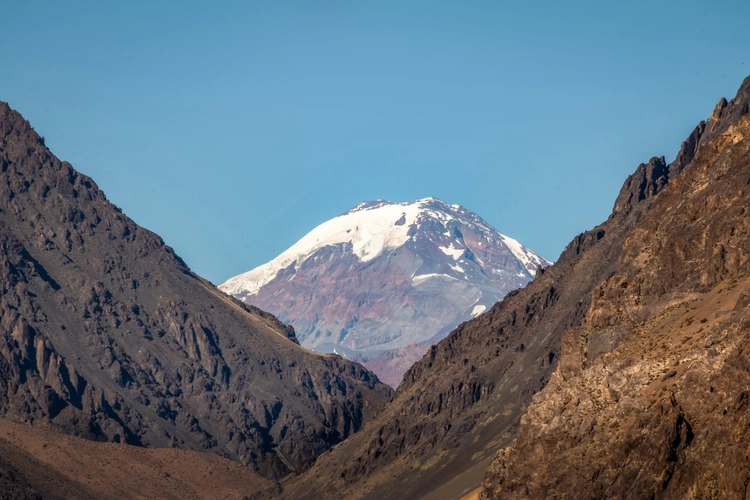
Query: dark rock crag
x=108, y=335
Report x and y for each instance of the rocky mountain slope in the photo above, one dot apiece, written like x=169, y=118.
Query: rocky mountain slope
x=384, y=281
x=663, y=247
x=650, y=398
x=106, y=333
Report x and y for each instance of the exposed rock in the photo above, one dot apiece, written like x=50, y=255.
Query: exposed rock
x=649, y=399
x=647, y=181
x=687, y=151
x=108, y=335
x=726, y=113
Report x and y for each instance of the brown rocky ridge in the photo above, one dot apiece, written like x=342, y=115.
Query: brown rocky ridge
x=650, y=398
x=637, y=328
x=106, y=334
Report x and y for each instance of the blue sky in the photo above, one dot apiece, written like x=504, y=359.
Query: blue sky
x=234, y=129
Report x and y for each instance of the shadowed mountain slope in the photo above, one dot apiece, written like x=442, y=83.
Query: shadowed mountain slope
x=106, y=333
x=464, y=400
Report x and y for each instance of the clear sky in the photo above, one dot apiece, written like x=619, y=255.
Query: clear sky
x=234, y=128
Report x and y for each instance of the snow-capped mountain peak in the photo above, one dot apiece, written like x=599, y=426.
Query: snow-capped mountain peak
x=372, y=228
x=385, y=276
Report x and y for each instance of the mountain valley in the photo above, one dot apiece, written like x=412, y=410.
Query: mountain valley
x=621, y=371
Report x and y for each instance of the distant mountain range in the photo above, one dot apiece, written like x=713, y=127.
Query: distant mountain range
x=384, y=281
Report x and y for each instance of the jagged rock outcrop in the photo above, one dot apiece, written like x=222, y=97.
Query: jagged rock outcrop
x=108, y=335
x=649, y=399
x=647, y=181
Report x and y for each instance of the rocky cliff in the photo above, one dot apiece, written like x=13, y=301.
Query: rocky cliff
x=650, y=397
x=106, y=333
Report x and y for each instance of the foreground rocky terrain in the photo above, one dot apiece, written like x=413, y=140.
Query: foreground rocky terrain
x=639, y=330
x=106, y=334
x=384, y=281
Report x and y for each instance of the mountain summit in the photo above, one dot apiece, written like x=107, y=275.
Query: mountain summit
x=384, y=280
